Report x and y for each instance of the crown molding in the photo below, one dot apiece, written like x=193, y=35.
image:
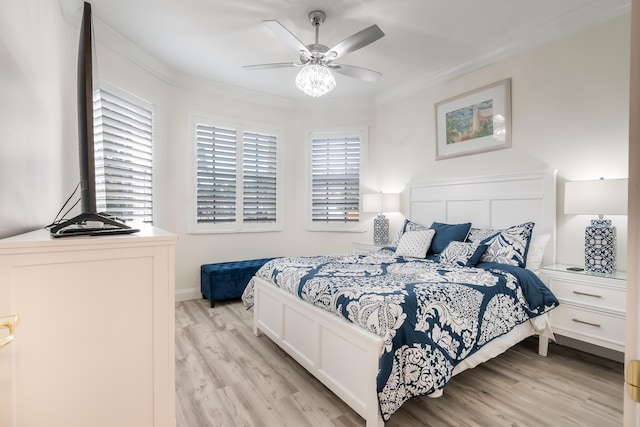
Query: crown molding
x=106, y=35
x=527, y=39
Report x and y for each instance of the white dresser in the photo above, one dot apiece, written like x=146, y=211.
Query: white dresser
x=95, y=343
x=592, y=307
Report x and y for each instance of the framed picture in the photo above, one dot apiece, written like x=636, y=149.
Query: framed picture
x=474, y=122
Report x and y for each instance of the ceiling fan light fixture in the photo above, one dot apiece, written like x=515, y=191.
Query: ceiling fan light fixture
x=315, y=80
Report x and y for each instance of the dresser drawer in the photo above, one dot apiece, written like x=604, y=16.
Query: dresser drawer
x=594, y=295
x=597, y=327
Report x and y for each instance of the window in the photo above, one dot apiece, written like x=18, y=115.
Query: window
x=336, y=179
x=124, y=155
x=236, y=176
x=259, y=183
x=216, y=174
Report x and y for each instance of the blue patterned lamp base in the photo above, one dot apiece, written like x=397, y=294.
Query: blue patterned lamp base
x=600, y=247
x=380, y=230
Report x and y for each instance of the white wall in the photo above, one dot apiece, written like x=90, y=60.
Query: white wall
x=569, y=112
x=37, y=132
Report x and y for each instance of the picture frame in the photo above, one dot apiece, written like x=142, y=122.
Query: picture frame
x=474, y=122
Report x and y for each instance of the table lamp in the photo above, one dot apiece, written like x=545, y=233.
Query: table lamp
x=379, y=202
x=598, y=197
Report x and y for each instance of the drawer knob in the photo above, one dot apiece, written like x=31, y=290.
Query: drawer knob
x=586, y=294
x=9, y=322
x=633, y=379
x=586, y=323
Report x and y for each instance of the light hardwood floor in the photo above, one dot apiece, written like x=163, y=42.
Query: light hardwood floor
x=226, y=376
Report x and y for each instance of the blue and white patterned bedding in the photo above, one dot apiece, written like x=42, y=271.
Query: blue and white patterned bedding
x=431, y=316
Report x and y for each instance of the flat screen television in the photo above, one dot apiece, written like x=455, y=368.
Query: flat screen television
x=89, y=221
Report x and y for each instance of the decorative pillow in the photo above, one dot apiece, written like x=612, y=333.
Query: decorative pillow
x=477, y=235
x=536, y=251
x=463, y=254
x=446, y=233
x=509, y=246
x=407, y=226
x=396, y=240
x=415, y=243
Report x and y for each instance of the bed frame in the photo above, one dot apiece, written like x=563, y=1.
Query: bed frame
x=343, y=356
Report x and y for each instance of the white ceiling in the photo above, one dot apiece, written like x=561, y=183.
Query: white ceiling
x=205, y=43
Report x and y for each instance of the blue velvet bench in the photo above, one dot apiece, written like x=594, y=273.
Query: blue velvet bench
x=227, y=280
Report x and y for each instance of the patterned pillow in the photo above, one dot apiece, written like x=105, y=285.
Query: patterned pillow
x=415, y=243
x=509, y=246
x=407, y=226
x=463, y=254
x=477, y=235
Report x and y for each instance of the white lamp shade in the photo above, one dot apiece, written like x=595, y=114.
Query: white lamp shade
x=379, y=202
x=390, y=202
x=372, y=202
x=597, y=197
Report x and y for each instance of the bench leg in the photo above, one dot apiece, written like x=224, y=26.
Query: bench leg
x=212, y=301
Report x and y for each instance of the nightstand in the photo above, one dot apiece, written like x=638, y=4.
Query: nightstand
x=364, y=247
x=592, y=307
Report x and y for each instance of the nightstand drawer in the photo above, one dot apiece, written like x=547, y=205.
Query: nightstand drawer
x=592, y=326
x=592, y=307
x=591, y=294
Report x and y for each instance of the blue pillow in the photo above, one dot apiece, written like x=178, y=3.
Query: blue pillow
x=446, y=233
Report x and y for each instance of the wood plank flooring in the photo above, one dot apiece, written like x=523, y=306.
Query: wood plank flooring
x=226, y=376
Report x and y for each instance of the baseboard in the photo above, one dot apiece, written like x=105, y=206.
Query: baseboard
x=590, y=348
x=188, y=294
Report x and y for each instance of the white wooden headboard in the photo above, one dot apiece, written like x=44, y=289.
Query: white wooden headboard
x=495, y=201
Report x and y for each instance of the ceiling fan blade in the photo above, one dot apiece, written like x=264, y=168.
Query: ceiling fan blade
x=274, y=65
x=356, y=72
x=287, y=36
x=355, y=42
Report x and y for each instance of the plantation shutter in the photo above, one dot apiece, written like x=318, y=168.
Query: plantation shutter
x=216, y=174
x=335, y=193
x=124, y=158
x=259, y=170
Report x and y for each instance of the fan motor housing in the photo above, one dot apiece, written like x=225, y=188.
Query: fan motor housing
x=317, y=50
x=317, y=17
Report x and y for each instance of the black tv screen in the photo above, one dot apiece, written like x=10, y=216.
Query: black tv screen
x=89, y=222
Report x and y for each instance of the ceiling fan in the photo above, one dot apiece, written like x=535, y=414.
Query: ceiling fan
x=316, y=59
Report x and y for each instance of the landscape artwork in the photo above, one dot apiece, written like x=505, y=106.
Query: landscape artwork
x=474, y=121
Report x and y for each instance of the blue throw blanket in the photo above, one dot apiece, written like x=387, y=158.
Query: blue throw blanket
x=431, y=316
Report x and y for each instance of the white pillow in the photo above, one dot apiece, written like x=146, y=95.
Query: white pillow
x=415, y=244
x=536, y=251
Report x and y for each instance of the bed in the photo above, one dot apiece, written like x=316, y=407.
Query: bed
x=414, y=323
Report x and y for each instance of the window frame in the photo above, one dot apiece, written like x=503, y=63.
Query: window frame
x=240, y=126
x=363, y=133
x=144, y=104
